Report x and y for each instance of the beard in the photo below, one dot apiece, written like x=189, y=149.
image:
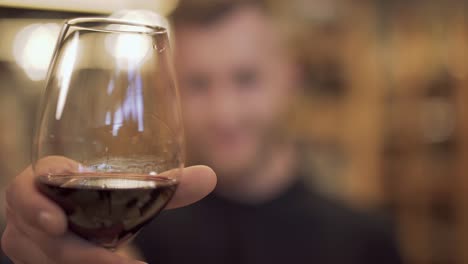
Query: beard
x=233, y=173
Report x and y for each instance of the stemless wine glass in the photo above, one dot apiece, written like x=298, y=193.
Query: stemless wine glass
x=109, y=140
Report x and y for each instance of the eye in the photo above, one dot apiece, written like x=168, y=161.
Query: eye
x=197, y=84
x=246, y=78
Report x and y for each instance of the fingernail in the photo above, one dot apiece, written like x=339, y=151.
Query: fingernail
x=47, y=223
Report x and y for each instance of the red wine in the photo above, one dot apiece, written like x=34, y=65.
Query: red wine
x=108, y=209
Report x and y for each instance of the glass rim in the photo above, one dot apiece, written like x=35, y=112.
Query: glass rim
x=81, y=22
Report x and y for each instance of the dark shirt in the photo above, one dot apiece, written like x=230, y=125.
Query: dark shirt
x=300, y=226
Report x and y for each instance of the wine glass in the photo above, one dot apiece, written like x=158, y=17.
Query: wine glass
x=108, y=145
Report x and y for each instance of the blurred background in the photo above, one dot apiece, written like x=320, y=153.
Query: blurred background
x=384, y=119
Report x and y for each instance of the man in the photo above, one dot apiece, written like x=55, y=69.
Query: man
x=237, y=82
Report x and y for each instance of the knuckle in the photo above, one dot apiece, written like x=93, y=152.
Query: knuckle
x=7, y=241
x=56, y=252
x=9, y=192
x=67, y=254
x=52, y=250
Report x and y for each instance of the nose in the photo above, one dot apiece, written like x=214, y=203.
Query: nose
x=226, y=106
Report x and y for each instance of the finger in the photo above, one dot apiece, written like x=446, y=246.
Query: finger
x=37, y=210
x=64, y=250
x=56, y=165
x=196, y=183
x=70, y=249
x=20, y=249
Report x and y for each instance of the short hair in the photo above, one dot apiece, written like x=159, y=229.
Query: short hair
x=206, y=12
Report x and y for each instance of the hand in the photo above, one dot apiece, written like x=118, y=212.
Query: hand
x=36, y=230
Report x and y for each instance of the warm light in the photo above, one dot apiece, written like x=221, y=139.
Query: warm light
x=33, y=48
x=131, y=49
x=93, y=6
x=127, y=48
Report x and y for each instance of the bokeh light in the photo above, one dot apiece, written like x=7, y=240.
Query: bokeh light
x=132, y=49
x=33, y=48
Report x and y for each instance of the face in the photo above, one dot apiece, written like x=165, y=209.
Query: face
x=236, y=83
